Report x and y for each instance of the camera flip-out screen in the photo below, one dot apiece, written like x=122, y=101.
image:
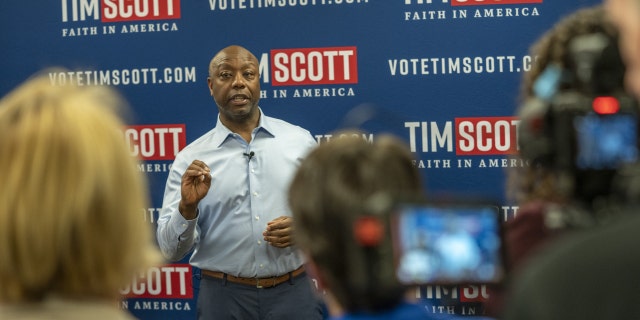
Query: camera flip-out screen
x=605, y=142
x=447, y=243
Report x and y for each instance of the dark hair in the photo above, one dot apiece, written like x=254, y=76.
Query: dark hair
x=553, y=46
x=534, y=182
x=329, y=192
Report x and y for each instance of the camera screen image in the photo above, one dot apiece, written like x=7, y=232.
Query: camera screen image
x=605, y=142
x=437, y=244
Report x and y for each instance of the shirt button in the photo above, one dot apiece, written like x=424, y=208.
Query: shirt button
x=255, y=194
x=259, y=242
x=253, y=171
x=257, y=218
x=261, y=266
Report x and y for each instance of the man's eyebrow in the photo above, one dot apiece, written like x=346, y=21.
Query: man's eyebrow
x=226, y=63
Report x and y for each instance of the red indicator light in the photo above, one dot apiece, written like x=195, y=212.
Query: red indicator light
x=606, y=105
x=368, y=231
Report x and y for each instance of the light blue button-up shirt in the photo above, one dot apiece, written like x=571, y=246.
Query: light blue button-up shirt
x=245, y=194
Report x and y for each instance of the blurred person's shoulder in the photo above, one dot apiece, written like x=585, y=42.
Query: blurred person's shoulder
x=595, y=270
x=61, y=309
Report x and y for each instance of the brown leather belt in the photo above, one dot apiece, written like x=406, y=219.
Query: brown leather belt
x=256, y=282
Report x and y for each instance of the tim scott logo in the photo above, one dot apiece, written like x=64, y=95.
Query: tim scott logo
x=313, y=66
x=119, y=10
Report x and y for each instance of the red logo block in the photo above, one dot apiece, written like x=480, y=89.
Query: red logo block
x=135, y=10
x=305, y=66
x=474, y=293
x=156, y=142
x=456, y=3
x=486, y=136
x=172, y=281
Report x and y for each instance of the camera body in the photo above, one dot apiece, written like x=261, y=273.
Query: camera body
x=448, y=240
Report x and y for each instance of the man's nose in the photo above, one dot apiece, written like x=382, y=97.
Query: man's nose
x=238, y=81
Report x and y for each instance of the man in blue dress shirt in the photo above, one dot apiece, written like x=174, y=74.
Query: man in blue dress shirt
x=225, y=201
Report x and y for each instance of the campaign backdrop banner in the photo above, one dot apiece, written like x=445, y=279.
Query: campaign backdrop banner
x=442, y=74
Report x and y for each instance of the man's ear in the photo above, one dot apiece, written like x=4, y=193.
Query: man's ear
x=210, y=85
x=315, y=274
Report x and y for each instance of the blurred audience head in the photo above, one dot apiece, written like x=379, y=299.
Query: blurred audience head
x=558, y=70
x=332, y=199
x=70, y=195
x=553, y=47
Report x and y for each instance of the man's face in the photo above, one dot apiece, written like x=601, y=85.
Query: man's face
x=625, y=14
x=234, y=82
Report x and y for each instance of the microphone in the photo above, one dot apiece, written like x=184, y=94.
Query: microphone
x=249, y=155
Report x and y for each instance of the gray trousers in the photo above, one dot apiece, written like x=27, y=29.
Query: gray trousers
x=219, y=299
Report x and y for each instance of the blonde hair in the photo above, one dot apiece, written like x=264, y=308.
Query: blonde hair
x=70, y=195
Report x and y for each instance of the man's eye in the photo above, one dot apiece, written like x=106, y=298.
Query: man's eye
x=225, y=75
x=249, y=75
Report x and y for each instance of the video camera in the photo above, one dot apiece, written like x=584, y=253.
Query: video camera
x=582, y=124
x=444, y=241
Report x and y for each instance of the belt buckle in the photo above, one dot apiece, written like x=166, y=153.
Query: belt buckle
x=259, y=286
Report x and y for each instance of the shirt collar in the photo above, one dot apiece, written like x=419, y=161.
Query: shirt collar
x=222, y=133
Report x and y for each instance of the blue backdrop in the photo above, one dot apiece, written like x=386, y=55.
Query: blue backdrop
x=442, y=74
